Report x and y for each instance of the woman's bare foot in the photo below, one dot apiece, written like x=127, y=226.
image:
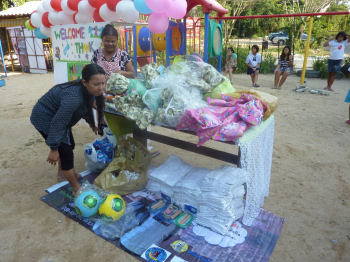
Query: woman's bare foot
x=61, y=178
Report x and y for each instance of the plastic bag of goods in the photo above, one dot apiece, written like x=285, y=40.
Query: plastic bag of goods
x=117, y=84
x=127, y=172
x=98, y=154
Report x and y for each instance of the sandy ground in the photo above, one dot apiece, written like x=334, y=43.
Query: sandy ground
x=310, y=182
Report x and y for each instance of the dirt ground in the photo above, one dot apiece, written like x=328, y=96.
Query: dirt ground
x=310, y=181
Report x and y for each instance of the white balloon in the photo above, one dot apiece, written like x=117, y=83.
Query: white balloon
x=46, y=31
x=35, y=19
x=41, y=8
x=64, y=18
x=65, y=8
x=83, y=18
x=53, y=18
x=46, y=5
x=127, y=11
x=107, y=14
x=85, y=8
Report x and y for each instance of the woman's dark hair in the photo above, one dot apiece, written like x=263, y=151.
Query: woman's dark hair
x=109, y=30
x=283, y=56
x=343, y=34
x=230, y=48
x=88, y=71
x=256, y=47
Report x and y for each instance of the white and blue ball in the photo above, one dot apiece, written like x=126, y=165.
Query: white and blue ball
x=87, y=203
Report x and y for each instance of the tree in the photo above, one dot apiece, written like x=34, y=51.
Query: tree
x=5, y=4
x=235, y=7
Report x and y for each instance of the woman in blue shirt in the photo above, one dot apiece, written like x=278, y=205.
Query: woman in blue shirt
x=61, y=108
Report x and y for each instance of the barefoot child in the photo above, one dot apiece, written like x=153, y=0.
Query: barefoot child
x=61, y=108
x=231, y=62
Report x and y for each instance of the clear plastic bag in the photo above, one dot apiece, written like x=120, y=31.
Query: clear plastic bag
x=100, y=153
x=135, y=214
x=150, y=232
x=152, y=99
x=117, y=84
x=137, y=86
x=150, y=73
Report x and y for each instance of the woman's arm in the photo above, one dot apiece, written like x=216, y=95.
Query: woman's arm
x=130, y=72
x=59, y=123
x=290, y=62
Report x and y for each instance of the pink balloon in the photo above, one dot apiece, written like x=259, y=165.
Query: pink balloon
x=158, y=6
x=177, y=8
x=158, y=23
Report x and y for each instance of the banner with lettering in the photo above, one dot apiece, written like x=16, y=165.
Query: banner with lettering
x=76, y=42
x=74, y=46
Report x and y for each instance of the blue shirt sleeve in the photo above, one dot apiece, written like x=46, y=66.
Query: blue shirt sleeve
x=59, y=123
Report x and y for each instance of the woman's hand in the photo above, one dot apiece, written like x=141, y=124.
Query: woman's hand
x=53, y=157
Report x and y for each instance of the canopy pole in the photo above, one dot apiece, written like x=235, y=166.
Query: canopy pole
x=302, y=78
x=206, y=37
x=9, y=48
x=135, y=48
x=220, y=56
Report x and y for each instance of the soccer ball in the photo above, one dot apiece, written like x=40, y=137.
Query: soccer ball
x=87, y=203
x=112, y=208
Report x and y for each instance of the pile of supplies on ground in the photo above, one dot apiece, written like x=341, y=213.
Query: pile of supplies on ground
x=216, y=194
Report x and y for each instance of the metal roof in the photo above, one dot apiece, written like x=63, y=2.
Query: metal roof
x=24, y=10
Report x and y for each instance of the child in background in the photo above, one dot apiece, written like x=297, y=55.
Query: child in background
x=284, y=67
x=253, y=62
x=231, y=62
x=337, y=47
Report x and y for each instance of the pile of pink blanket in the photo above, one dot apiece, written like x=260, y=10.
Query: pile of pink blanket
x=223, y=119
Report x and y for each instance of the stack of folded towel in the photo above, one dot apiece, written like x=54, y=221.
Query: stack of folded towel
x=217, y=194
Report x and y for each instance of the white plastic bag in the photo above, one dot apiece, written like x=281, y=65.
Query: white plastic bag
x=100, y=153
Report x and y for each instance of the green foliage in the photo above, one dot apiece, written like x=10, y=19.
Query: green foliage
x=346, y=60
x=11, y=3
x=268, y=63
x=321, y=64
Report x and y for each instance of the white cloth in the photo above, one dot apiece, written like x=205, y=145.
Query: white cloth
x=164, y=178
x=253, y=60
x=236, y=235
x=337, y=49
x=217, y=194
x=256, y=159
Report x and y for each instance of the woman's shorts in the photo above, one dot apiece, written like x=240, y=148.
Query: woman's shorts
x=250, y=71
x=66, y=152
x=347, y=98
x=285, y=70
x=334, y=65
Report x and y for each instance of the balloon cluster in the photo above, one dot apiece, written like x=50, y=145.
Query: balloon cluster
x=160, y=11
x=59, y=12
